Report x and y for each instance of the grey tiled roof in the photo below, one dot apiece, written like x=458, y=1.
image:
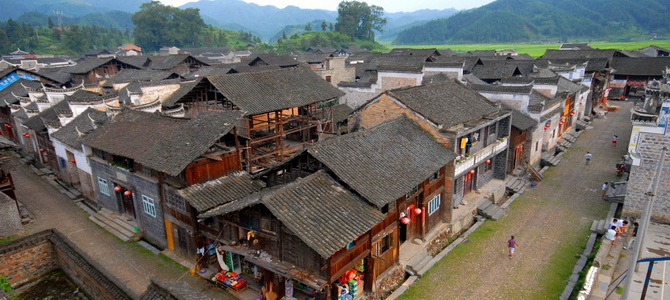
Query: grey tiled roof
x=167, y=62
x=273, y=60
x=161, y=143
x=529, y=80
x=341, y=112
x=447, y=104
x=130, y=75
x=59, y=75
x=88, y=64
x=515, y=89
x=640, y=66
x=578, y=54
x=495, y=69
x=37, y=122
x=220, y=191
x=267, y=91
x=322, y=213
x=384, y=162
x=16, y=88
x=538, y=98
x=592, y=64
x=84, y=123
x=138, y=61
x=184, y=88
x=209, y=70
x=401, y=63
x=522, y=121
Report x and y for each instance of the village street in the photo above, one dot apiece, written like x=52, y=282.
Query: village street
x=551, y=223
x=131, y=264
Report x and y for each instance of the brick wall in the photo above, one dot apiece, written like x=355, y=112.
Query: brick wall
x=27, y=259
x=649, y=147
x=34, y=256
x=386, y=109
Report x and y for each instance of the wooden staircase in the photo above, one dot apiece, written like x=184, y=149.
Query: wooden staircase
x=534, y=173
x=117, y=225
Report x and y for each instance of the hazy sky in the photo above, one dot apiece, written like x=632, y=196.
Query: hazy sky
x=388, y=5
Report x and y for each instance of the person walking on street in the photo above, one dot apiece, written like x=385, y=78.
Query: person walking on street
x=511, y=245
x=614, y=140
x=588, y=156
x=604, y=188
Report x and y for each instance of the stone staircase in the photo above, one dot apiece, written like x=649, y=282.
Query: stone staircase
x=116, y=225
x=551, y=160
x=418, y=263
x=516, y=185
x=599, y=226
x=489, y=210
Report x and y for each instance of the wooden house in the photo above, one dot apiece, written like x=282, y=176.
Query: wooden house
x=404, y=172
x=94, y=69
x=284, y=109
x=180, y=64
x=310, y=232
x=140, y=160
x=463, y=121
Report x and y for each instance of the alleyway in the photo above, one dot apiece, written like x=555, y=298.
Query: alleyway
x=551, y=222
x=130, y=263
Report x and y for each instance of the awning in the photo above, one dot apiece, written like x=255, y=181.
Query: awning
x=284, y=269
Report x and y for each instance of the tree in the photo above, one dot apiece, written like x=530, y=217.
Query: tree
x=158, y=25
x=283, y=35
x=308, y=27
x=51, y=23
x=324, y=26
x=331, y=27
x=359, y=20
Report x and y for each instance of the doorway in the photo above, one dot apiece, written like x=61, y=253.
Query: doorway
x=468, y=182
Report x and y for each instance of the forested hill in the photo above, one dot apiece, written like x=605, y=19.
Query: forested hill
x=533, y=20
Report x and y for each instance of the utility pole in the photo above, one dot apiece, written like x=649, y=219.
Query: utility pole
x=644, y=225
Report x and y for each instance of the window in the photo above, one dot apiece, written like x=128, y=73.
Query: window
x=328, y=79
x=435, y=176
x=434, y=204
x=385, y=243
x=175, y=200
x=149, y=206
x=537, y=146
x=102, y=186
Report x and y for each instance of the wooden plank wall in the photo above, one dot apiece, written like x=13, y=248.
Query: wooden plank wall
x=204, y=170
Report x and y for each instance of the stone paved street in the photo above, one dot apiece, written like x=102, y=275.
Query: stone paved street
x=546, y=220
x=130, y=263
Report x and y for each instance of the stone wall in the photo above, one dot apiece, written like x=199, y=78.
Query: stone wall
x=649, y=147
x=34, y=256
x=10, y=221
x=390, y=280
x=27, y=259
x=84, y=272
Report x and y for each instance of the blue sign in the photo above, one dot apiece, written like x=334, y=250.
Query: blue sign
x=11, y=78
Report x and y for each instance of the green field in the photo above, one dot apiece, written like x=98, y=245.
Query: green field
x=536, y=50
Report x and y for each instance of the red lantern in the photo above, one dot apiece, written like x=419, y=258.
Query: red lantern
x=127, y=193
x=472, y=172
x=519, y=146
x=488, y=161
x=42, y=150
x=417, y=211
x=27, y=136
x=73, y=161
x=118, y=188
x=46, y=154
x=8, y=126
x=405, y=220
